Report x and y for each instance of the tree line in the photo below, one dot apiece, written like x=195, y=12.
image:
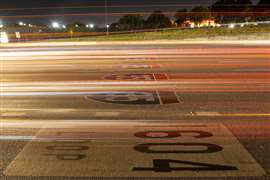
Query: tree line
x=222, y=11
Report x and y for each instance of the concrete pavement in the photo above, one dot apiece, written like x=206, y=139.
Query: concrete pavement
x=163, y=92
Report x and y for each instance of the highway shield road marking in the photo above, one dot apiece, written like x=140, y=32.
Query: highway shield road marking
x=138, y=77
x=153, y=150
x=140, y=66
x=137, y=97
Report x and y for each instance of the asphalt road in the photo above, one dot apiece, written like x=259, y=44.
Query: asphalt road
x=135, y=111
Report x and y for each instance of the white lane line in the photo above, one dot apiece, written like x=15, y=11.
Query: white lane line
x=81, y=123
x=12, y=114
x=176, y=81
x=8, y=138
x=45, y=93
x=86, y=93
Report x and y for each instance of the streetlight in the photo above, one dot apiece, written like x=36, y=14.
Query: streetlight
x=21, y=23
x=91, y=26
x=107, y=27
x=55, y=25
x=1, y=25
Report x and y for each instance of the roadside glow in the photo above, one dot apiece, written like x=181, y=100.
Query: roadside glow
x=21, y=23
x=55, y=25
x=64, y=26
x=3, y=37
x=91, y=25
x=242, y=25
x=1, y=25
x=231, y=26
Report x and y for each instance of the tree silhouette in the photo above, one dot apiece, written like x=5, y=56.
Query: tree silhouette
x=158, y=20
x=225, y=11
x=131, y=22
x=77, y=27
x=199, y=13
x=262, y=10
x=115, y=27
x=181, y=16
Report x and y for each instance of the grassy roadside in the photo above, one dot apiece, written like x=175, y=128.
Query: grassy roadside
x=248, y=32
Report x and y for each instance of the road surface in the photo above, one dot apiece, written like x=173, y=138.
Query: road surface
x=143, y=111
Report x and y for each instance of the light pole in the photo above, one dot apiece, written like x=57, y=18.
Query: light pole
x=106, y=17
x=106, y=11
x=107, y=27
x=211, y=4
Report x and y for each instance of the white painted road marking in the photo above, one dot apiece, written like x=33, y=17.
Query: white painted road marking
x=115, y=150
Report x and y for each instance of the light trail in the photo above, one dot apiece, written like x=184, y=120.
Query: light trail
x=69, y=91
x=127, y=58
x=168, y=53
x=160, y=42
x=53, y=83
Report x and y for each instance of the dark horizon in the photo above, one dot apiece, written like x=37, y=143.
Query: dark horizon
x=46, y=7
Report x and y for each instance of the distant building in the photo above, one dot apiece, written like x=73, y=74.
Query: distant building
x=207, y=23
x=204, y=23
x=188, y=24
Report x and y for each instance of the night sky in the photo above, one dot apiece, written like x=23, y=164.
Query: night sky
x=13, y=7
